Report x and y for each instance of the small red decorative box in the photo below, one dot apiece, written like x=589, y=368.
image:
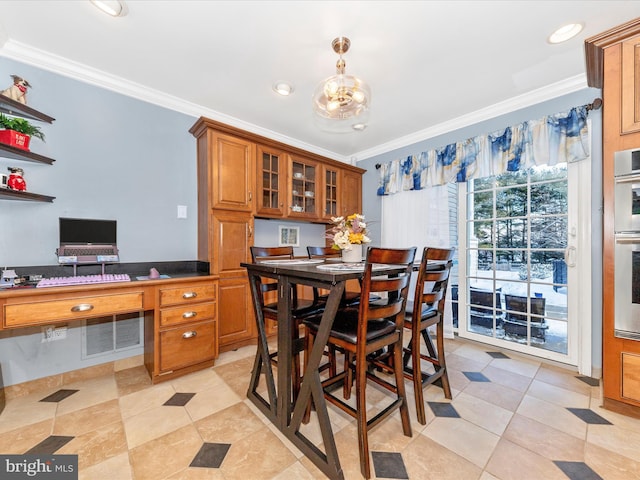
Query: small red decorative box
x=15, y=139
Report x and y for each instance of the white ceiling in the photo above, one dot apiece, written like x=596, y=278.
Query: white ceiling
x=432, y=65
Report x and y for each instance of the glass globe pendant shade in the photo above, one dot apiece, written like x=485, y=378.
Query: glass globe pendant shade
x=341, y=102
x=341, y=97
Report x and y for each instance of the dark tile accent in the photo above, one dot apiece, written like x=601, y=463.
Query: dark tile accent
x=497, y=355
x=179, y=399
x=476, y=377
x=389, y=465
x=577, y=470
x=594, y=382
x=210, y=455
x=59, y=395
x=49, y=445
x=589, y=416
x=443, y=409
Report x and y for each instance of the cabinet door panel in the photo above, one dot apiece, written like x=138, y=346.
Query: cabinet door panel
x=232, y=173
x=351, y=195
x=271, y=176
x=304, y=196
x=631, y=85
x=235, y=313
x=232, y=236
x=331, y=185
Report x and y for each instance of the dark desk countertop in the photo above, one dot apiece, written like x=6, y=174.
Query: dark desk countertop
x=174, y=269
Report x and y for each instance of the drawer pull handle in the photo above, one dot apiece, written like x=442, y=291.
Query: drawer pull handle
x=189, y=314
x=190, y=334
x=189, y=295
x=83, y=307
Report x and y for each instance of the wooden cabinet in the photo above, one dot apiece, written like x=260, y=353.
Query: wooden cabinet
x=271, y=181
x=225, y=166
x=630, y=85
x=186, y=329
x=613, y=64
x=45, y=309
x=242, y=176
x=12, y=107
x=180, y=316
x=304, y=178
x=351, y=193
x=330, y=190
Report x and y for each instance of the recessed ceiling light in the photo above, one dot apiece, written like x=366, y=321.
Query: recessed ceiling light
x=115, y=8
x=359, y=126
x=565, y=33
x=283, y=88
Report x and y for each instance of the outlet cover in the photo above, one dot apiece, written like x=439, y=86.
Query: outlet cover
x=51, y=333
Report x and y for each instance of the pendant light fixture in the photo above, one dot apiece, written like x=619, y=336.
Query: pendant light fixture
x=341, y=102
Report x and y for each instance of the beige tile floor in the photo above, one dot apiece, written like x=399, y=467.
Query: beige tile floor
x=510, y=418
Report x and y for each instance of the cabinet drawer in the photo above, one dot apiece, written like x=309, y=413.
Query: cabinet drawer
x=188, y=313
x=185, y=346
x=76, y=308
x=199, y=292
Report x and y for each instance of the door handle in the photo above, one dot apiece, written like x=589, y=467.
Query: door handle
x=570, y=253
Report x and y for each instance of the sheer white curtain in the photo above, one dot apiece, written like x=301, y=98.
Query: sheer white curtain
x=419, y=218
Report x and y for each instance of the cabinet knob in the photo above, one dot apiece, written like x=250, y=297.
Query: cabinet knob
x=189, y=314
x=190, y=334
x=188, y=295
x=83, y=307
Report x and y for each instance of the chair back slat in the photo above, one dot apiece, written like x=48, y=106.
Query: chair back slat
x=393, y=290
x=433, y=279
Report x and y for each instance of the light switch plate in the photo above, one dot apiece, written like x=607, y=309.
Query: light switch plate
x=182, y=211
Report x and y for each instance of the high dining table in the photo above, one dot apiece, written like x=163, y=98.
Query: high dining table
x=286, y=415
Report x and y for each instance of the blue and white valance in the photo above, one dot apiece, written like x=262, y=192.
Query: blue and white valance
x=553, y=139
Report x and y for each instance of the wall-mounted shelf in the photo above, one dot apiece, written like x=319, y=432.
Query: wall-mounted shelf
x=8, y=194
x=18, y=109
x=7, y=151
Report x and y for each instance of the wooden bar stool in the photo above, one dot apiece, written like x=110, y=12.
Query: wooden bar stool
x=426, y=310
x=363, y=330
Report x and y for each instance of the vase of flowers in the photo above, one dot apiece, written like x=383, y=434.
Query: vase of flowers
x=349, y=234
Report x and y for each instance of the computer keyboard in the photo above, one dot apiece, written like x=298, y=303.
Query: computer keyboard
x=82, y=280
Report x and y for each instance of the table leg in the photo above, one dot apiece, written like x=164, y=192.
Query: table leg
x=311, y=387
x=262, y=361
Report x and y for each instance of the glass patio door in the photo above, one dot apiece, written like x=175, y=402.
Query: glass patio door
x=519, y=268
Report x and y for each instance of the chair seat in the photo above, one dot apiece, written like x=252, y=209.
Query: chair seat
x=345, y=326
x=428, y=311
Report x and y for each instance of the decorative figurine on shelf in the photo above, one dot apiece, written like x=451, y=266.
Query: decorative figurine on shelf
x=17, y=91
x=16, y=181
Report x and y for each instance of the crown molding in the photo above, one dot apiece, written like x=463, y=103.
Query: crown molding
x=528, y=99
x=23, y=53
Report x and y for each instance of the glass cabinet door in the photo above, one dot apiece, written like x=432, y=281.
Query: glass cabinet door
x=303, y=178
x=271, y=179
x=331, y=187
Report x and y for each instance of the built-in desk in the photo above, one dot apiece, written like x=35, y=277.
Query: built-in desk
x=180, y=316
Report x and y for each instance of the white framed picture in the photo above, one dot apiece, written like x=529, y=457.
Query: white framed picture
x=288, y=236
